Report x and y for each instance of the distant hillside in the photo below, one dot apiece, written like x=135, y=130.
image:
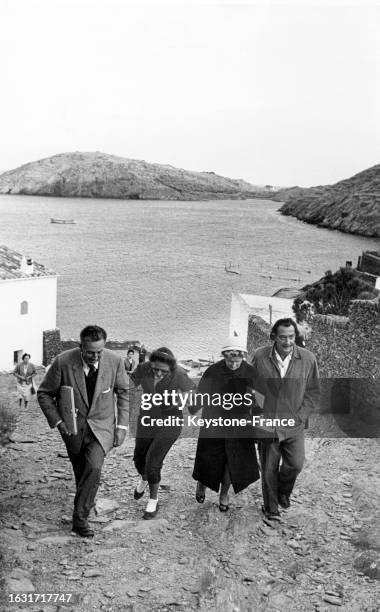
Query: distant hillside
x=98, y=175
x=352, y=205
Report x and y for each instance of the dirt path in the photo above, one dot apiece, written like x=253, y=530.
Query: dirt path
x=191, y=557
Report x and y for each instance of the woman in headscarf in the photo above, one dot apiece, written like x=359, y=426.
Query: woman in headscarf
x=25, y=372
x=226, y=456
x=153, y=441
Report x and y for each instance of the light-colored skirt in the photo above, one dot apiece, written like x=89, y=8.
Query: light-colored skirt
x=24, y=391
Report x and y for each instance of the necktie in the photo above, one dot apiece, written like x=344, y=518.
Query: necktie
x=90, y=383
x=92, y=371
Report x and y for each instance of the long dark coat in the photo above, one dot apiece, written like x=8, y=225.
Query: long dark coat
x=214, y=453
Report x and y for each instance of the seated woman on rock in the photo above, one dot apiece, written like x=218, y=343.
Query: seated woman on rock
x=226, y=454
x=153, y=438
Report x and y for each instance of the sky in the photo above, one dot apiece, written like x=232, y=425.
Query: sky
x=274, y=93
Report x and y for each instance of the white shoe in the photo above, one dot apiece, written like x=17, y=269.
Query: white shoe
x=151, y=509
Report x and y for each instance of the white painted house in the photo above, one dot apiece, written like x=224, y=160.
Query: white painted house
x=269, y=308
x=28, y=306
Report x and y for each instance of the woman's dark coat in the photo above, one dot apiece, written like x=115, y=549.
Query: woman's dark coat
x=177, y=380
x=239, y=453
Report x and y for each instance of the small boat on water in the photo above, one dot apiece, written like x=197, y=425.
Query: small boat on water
x=232, y=269
x=63, y=221
x=195, y=367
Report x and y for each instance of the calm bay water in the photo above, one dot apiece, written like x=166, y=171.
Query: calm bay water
x=154, y=271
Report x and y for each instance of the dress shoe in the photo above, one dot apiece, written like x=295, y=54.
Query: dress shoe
x=200, y=495
x=271, y=516
x=223, y=507
x=283, y=500
x=84, y=530
x=149, y=515
x=138, y=495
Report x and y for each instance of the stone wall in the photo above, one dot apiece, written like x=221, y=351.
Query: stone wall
x=51, y=345
x=348, y=355
x=369, y=262
x=7, y=407
x=258, y=334
x=348, y=347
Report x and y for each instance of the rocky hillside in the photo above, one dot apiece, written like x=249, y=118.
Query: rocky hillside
x=352, y=205
x=98, y=175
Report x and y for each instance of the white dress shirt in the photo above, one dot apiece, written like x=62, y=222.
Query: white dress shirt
x=283, y=364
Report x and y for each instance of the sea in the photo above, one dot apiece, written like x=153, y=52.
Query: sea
x=154, y=271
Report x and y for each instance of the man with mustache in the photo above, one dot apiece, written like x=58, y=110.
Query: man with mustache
x=287, y=376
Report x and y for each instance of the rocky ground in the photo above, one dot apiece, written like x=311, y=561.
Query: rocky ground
x=323, y=554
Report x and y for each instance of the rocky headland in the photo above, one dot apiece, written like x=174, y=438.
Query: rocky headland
x=99, y=175
x=351, y=205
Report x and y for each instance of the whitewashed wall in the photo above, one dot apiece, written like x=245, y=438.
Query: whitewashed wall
x=242, y=305
x=24, y=332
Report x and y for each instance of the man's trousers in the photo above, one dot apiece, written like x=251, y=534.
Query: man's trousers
x=87, y=466
x=281, y=462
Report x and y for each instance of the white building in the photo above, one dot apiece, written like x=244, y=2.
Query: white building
x=28, y=306
x=267, y=307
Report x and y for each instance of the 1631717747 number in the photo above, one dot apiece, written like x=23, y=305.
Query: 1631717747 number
x=41, y=598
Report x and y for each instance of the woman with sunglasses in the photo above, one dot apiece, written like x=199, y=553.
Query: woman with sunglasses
x=226, y=455
x=153, y=441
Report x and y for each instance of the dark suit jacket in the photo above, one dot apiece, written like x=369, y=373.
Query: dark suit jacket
x=67, y=369
x=130, y=365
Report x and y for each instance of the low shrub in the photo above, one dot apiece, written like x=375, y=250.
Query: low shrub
x=7, y=423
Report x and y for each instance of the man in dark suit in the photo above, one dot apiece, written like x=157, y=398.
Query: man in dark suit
x=95, y=374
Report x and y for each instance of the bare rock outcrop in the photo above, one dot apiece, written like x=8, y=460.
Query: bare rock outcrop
x=99, y=175
x=352, y=205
